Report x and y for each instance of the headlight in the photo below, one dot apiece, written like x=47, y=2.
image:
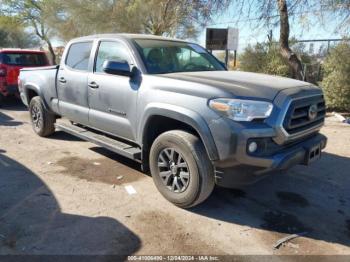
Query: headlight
x=241, y=110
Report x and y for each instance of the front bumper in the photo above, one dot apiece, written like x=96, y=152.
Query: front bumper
x=231, y=173
x=277, y=148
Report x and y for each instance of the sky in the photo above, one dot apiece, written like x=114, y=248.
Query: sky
x=247, y=35
x=298, y=29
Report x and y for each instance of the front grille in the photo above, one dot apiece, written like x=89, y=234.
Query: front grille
x=299, y=118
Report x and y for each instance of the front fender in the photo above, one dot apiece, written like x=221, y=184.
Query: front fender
x=184, y=115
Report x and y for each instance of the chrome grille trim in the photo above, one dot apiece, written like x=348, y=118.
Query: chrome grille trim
x=297, y=118
x=283, y=136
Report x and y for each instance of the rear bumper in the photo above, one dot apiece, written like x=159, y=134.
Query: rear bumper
x=231, y=173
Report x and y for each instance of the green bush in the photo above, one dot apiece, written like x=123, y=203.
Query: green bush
x=264, y=58
x=336, y=81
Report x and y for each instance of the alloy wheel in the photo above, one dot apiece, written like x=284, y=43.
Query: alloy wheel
x=36, y=117
x=173, y=170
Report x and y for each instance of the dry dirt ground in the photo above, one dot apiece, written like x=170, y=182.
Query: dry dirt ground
x=61, y=195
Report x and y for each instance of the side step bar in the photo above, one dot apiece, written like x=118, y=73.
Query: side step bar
x=114, y=145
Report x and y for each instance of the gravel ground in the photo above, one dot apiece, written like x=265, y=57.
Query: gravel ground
x=61, y=195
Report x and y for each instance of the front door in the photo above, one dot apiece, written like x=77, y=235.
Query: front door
x=72, y=83
x=112, y=98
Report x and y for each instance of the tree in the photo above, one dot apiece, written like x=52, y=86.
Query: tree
x=13, y=34
x=336, y=81
x=272, y=13
x=70, y=19
x=181, y=18
x=33, y=14
x=286, y=52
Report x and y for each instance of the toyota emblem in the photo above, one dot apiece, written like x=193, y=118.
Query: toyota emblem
x=312, y=114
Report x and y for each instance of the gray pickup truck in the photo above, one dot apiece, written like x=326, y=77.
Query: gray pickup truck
x=173, y=107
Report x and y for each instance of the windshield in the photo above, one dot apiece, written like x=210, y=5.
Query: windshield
x=23, y=59
x=161, y=57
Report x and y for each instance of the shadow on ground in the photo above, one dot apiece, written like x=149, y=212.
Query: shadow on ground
x=311, y=199
x=121, y=159
x=60, y=135
x=31, y=221
x=6, y=120
x=13, y=104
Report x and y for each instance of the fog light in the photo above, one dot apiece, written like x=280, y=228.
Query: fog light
x=252, y=147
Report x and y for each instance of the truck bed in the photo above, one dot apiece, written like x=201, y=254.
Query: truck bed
x=41, y=80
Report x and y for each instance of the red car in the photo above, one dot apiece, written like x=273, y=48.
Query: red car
x=11, y=61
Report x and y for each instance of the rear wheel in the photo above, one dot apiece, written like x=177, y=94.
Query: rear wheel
x=181, y=169
x=43, y=122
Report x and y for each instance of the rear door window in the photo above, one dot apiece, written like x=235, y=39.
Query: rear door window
x=23, y=59
x=79, y=55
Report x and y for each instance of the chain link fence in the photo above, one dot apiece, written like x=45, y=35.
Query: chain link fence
x=313, y=53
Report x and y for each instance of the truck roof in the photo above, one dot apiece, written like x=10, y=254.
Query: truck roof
x=19, y=50
x=126, y=36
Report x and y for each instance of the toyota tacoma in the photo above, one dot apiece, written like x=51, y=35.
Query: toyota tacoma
x=173, y=107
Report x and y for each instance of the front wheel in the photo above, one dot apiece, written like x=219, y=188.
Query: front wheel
x=43, y=122
x=181, y=169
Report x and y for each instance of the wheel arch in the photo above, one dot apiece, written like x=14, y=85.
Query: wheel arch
x=31, y=90
x=173, y=117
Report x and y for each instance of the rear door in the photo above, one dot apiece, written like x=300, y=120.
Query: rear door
x=72, y=83
x=112, y=98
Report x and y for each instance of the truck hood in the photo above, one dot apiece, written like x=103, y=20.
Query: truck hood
x=241, y=84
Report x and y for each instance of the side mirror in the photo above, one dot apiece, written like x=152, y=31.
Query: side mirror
x=117, y=68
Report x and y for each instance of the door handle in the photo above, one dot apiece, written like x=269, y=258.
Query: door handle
x=93, y=85
x=62, y=80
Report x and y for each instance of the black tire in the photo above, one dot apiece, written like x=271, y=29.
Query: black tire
x=195, y=165
x=43, y=122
